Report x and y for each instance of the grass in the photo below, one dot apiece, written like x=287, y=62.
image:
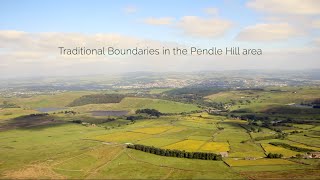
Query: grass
x=258, y=162
x=303, y=126
x=317, y=128
x=80, y=166
x=10, y=113
x=139, y=165
x=55, y=100
x=285, y=174
x=232, y=132
x=21, y=147
x=248, y=149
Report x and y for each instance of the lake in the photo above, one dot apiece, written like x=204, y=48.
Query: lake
x=109, y=113
x=49, y=109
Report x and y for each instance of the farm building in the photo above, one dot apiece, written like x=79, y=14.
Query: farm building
x=224, y=154
x=250, y=158
x=312, y=155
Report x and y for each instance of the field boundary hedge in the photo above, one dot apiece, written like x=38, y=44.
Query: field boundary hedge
x=176, y=153
x=293, y=148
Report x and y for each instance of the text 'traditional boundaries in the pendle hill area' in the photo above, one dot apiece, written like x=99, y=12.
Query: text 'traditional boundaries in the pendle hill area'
x=176, y=51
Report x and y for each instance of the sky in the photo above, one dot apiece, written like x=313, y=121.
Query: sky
x=287, y=31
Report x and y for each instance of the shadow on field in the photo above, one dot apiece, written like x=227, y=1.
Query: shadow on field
x=32, y=122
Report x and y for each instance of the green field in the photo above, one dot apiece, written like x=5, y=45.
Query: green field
x=51, y=146
x=259, y=101
x=258, y=162
x=132, y=104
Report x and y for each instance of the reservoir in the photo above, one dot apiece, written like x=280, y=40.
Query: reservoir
x=109, y=113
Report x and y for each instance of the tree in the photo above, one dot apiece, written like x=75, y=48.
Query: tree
x=151, y=112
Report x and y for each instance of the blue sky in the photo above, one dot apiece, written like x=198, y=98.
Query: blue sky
x=109, y=16
x=286, y=30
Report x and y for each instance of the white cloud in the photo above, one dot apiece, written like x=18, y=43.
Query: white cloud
x=211, y=11
x=294, y=7
x=316, y=42
x=206, y=28
x=316, y=24
x=158, y=21
x=268, y=32
x=38, y=54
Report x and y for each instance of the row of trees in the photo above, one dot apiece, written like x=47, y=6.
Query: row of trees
x=175, y=153
x=293, y=148
x=151, y=112
x=274, y=155
x=276, y=136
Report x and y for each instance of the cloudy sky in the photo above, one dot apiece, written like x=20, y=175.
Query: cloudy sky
x=288, y=32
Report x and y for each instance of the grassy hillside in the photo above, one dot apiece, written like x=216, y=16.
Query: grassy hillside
x=268, y=100
x=132, y=104
x=43, y=101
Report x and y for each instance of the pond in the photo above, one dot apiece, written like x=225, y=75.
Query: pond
x=300, y=105
x=109, y=113
x=49, y=109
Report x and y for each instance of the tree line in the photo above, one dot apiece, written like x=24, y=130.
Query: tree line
x=175, y=153
x=151, y=112
x=293, y=148
x=274, y=155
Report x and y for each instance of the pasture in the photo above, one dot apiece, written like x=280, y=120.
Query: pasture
x=279, y=150
x=257, y=162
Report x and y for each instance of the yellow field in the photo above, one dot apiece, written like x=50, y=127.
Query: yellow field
x=122, y=137
x=153, y=130
x=187, y=145
x=280, y=150
x=215, y=147
x=176, y=129
x=258, y=162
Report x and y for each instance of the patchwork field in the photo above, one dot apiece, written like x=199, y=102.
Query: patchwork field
x=187, y=145
x=279, y=150
x=243, y=150
x=81, y=146
x=215, y=147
